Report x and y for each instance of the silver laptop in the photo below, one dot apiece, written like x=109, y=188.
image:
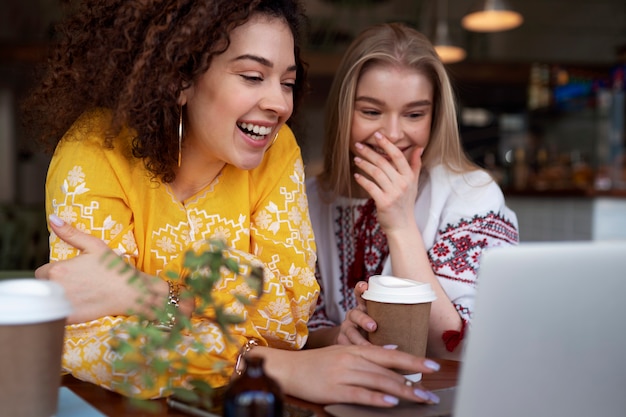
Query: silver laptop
x=549, y=334
x=548, y=337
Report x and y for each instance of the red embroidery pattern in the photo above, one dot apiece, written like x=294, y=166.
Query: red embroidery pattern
x=456, y=253
x=456, y=257
x=362, y=247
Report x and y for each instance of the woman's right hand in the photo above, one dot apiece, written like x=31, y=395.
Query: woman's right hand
x=348, y=374
x=96, y=281
x=353, y=330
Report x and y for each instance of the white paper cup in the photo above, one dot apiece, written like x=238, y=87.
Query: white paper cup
x=32, y=326
x=401, y=309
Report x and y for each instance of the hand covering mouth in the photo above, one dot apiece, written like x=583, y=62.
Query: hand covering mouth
x=380, y=151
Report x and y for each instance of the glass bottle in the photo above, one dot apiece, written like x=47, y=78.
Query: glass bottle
x=254, y=393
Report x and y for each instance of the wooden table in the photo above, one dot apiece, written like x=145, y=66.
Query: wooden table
x=115, y=405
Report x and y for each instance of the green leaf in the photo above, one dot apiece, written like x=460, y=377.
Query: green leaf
x=186, y=395
x=243, y=299
x=134, y=332
x=122, y=365
x=199, y=346
x=232, y=319
x=123, y=347
x=232, y=265
x=160, y=366
x=201, y=386
x=115, y=261
x=255, y=284
x=146, y=405
x=173, y=276
x=148, y=380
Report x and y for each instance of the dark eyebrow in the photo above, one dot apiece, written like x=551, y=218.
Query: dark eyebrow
x=418, y=103
x=263, y=61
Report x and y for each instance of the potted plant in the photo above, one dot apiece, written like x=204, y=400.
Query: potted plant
x=139, y=342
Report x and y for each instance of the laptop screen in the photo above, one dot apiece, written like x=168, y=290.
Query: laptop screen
x=549, y=333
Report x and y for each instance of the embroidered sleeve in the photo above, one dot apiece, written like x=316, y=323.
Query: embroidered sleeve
x=455, y=256
x=455, y=259
x=83, y=188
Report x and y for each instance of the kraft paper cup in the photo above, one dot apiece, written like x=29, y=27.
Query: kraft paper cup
x=32, y=326
x=401, y=309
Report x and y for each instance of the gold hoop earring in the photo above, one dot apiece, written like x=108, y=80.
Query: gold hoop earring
x=180, y=135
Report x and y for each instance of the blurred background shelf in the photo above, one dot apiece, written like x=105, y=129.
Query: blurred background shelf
x=537, y=147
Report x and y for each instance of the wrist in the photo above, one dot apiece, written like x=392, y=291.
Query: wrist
x=280, y=364
x=171, y=307
x=240, y=363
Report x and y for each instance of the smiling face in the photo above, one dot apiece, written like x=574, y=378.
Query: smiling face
x=237, y=107
x=395, y=101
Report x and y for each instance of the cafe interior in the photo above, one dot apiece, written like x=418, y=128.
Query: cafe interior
x=541, y=106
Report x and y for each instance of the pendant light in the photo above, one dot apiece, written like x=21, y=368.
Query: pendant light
x=448, y=52
x=491, y=16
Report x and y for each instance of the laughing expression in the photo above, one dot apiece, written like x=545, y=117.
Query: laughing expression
x=396, y=102
x=235, y=109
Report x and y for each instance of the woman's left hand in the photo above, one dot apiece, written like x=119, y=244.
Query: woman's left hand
x=348, y=374
x=392, y=181
x=357, y=323
x=96, y=281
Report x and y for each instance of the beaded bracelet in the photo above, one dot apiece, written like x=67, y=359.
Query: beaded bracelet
x=240, y=364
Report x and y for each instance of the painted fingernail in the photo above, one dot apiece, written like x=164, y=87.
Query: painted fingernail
x=56, y=220
x=378, y=135
x=357, y=159
x=371, y=326
x=391, y=400
x=358, y=145
x=433, y=397
x=390, y=347
x=432, y=365
x=421, y=394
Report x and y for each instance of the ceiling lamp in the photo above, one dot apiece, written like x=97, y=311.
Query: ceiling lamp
x=491, y=16
x=448, y=52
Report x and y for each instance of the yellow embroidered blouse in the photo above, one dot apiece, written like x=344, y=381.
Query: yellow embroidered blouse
x=262, y=214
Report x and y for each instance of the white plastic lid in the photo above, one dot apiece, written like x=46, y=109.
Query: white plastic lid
x=388, y=289
x=27, y=301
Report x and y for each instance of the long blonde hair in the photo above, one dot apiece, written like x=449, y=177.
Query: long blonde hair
x=398, y=45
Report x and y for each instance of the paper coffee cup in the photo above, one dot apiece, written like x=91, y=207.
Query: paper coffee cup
x=32, y=326
x=401, y=309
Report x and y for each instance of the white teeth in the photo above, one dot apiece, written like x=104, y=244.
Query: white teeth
x=256, y=129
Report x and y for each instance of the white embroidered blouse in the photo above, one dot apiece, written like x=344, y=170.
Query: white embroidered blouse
x=459, y=215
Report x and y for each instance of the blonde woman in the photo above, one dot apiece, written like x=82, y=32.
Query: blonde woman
x=397, y=194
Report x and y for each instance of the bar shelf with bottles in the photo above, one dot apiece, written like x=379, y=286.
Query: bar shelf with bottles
x=570, y=141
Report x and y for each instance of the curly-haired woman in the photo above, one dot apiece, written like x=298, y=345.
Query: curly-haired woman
x=168, y=124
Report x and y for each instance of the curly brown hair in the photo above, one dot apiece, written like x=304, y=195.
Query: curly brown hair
x=134, y=57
